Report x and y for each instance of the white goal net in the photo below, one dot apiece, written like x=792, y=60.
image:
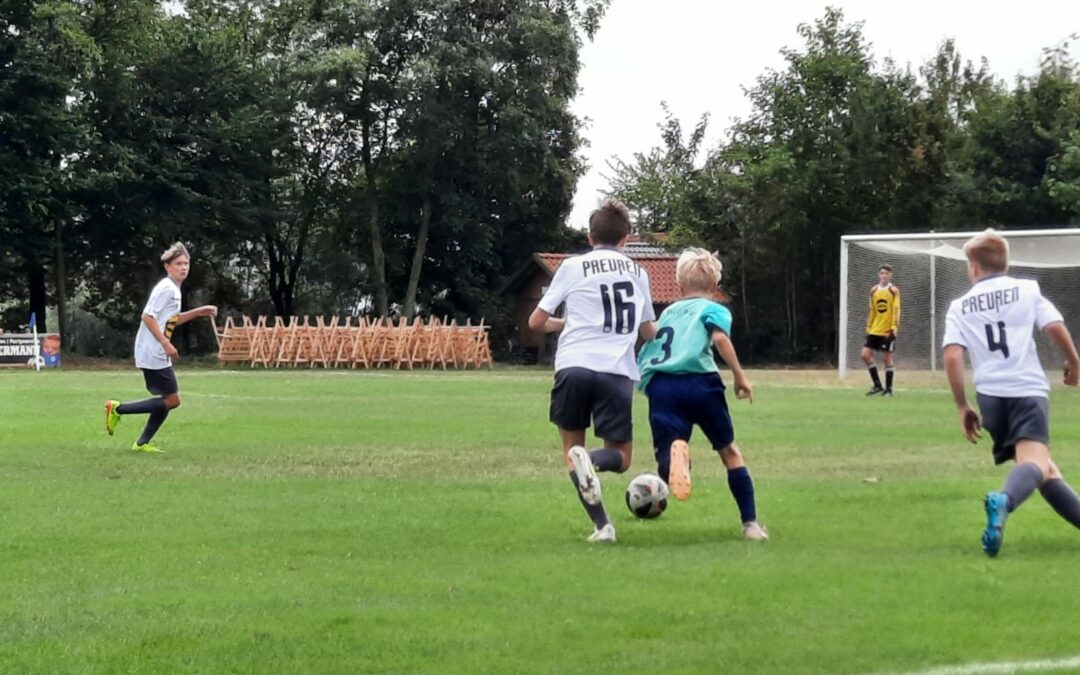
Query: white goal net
x=931, y=271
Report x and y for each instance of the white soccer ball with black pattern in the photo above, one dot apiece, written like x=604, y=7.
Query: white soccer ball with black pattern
x=647, y=496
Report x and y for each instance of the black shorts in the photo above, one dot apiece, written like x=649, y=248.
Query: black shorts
x=880, y=343
x=1009, y=420
x=581, y=394
x=161, y=382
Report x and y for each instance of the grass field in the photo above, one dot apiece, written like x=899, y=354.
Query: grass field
x=350, y=522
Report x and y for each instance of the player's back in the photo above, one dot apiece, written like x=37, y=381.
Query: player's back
x=995, y=321
x=607, y=298
x=683, y=342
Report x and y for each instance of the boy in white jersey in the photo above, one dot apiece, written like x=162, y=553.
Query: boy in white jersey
x=608, y=304
x=680, y=377
x=994, y=322
x=154, y=351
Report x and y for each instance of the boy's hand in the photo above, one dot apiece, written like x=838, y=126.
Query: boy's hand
x=969, y=422
x=208, y=310
x=743, y=389
x=1072, y=374
x=170, y=350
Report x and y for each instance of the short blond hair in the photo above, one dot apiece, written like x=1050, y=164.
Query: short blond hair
x=174, y=252
x=989, y=250
x=697, y=270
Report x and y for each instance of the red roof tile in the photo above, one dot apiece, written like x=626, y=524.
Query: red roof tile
x=661, y=271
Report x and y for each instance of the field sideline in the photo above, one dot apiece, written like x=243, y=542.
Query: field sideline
x=388, y=522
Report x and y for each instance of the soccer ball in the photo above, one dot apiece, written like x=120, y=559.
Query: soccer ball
x=647, y=495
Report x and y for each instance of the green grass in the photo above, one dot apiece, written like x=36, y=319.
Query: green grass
x=351, y=522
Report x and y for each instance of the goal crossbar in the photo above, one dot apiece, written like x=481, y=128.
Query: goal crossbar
x=938, y=248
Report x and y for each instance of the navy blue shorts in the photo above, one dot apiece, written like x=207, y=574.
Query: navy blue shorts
x=678, y=402
x=161, y=382
x=581, y=394
x=1010, y=420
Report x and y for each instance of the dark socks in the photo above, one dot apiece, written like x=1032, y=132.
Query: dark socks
x=596, y=511
x=147, y=405
x=874, y=376
x=606, y=459
x=1059, y=495
x=888, y=377
x=742, y=489
x=153, y=423
x=1020, y=483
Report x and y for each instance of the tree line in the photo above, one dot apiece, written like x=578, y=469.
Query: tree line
x=403, y=157
x=319, y=156
x=837, y=144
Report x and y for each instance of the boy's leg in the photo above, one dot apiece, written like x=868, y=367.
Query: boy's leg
x=584, y=479
x=162, y=382
x=740, y=482
x=868, y=359
x=157, y=418
x=715, y=420
x=571, y=405
x=890, y=371
x=1061, y=497
x=666, y=421
x=614, y=456
x=612, y=412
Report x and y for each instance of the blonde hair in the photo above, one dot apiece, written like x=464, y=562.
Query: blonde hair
x=697, y=270
x=989, y=250
x=174, y=252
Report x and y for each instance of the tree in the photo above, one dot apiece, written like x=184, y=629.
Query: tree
x=44, y=50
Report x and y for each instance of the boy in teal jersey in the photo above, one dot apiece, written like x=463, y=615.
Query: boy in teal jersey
x=682, y=382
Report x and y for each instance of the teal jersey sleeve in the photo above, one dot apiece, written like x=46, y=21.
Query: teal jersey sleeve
x=716, y=317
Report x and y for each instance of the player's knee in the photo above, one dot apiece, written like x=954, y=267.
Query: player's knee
x=172, y=401
x=732, y=457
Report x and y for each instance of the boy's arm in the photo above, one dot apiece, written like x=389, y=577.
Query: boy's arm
x=543, y=322
x=205, y=310
x=743, y=388
x=155, y=330
x=896, y=312
x=870, y=311
x=954, y=368
x=1059, y=333
x=647, y=330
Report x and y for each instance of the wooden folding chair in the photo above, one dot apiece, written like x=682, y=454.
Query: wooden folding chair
x=261, y=340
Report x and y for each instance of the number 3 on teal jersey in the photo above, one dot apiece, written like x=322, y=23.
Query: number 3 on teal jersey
x=667, y=334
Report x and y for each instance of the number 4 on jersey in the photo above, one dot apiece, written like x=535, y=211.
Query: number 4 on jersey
x=1001, y=343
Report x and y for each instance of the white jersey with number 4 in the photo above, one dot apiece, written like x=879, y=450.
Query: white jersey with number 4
x=607, y=298
x=995, y=321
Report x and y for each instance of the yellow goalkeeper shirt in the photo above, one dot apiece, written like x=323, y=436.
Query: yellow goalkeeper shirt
x=884, y=313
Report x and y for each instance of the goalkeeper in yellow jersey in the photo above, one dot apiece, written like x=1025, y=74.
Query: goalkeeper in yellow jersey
x=882, y=323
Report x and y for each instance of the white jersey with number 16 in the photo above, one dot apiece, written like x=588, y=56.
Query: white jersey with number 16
x=995, y=321
x=607, y=298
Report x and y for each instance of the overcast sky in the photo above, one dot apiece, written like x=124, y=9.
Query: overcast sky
x=699, y=54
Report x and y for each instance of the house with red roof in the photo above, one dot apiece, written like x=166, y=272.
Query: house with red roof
x=527, y=286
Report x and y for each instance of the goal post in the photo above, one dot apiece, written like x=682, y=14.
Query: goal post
x=930, y=270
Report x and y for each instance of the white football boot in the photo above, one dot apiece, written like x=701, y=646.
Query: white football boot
x=605, y=535
x=588, y=481
x=754, y=531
